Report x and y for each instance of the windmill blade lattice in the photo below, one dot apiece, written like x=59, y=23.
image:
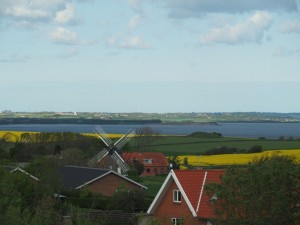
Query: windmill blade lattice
x=103, y=136
x=93, y=161
x=125, y=139
x=112, y=149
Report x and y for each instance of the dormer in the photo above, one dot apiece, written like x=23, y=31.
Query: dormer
x=147, y=161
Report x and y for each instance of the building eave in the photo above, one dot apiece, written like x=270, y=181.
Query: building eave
x=23, y=171
x=105, y=174
x=163, y=190
x=160, y=195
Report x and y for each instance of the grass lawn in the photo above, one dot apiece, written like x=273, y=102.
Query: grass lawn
x=153, y=183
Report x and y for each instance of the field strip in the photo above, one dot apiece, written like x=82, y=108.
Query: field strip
x=231, y=159
x=14, y=136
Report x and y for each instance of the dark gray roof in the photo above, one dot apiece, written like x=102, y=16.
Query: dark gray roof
x=75, y=176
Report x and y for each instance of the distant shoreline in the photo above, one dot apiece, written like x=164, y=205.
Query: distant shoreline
x=85, y=121
x=11, y=121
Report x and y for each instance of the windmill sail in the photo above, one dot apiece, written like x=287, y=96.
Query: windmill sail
x=93, y=161
x=103, y=136
x=112, y=149
x=125, y=139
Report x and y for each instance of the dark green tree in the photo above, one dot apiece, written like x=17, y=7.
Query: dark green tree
x=128, y=200
x=24, y=201
x=174, y=162
x=144, y=138
x=265, y=192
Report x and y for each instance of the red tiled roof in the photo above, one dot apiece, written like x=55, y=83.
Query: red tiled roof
x=192, y=182
x=158, y=159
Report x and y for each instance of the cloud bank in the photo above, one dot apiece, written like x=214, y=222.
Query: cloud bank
x=251, y=30
x=196, y=8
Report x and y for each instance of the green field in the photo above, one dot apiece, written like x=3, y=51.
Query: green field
x=184, y=145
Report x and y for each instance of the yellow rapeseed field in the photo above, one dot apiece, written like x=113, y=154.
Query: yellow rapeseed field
x=15, y=135
x=12, y=135
x=231, y=159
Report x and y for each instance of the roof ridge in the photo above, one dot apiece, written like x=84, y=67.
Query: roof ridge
x=84, y=167
x=201, y=191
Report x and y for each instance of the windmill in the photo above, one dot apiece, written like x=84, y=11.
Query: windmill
x=112, y=149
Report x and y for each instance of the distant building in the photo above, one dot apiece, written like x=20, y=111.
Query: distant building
x=154, y=162
x=13, y=169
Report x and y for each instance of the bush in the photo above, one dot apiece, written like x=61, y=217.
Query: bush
x=200, y=134
x=255, y=149
x=221, y=150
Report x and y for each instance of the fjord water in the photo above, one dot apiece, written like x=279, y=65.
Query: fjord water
x=249, y=130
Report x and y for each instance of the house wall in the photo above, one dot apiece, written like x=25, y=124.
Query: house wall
x=110, y=183
x=168, y=209
x=153, y=170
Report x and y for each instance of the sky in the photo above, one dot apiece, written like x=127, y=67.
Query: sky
x=150, y=55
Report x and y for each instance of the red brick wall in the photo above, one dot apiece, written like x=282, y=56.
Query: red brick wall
x=168, y=209
x=107, y=185
x=152, y=172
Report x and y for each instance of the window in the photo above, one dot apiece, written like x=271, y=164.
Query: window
x=148, y=170
x=176, y=196
x=147, y=161
x=214, y=198
x=176, y=221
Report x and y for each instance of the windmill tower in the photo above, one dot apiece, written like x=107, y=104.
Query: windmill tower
x=110, y=154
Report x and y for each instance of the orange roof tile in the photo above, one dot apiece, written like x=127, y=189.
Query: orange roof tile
x=192, y=182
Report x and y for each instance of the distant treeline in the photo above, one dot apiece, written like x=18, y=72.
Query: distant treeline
x=73, y=121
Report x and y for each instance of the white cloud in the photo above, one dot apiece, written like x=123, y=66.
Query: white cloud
x=66, y=15
x=61, y=35
x=252, y=30
x=133, y=42
x=134, y=22
x=37, y=11
x=195, y=8
x=23, y=11
x=291, y=27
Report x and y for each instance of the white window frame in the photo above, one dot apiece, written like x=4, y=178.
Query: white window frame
x=176, y=196
x=147, y=161
x=176, y=221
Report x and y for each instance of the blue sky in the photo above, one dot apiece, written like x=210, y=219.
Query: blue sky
x=150, y=55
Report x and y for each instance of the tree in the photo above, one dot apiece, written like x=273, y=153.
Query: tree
x=138, y=166
x=265, y=192
x=255, y=149
x=72, y=156
x=24, y=201
x=174, y=162
x=128, y=200
x=145, y=137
